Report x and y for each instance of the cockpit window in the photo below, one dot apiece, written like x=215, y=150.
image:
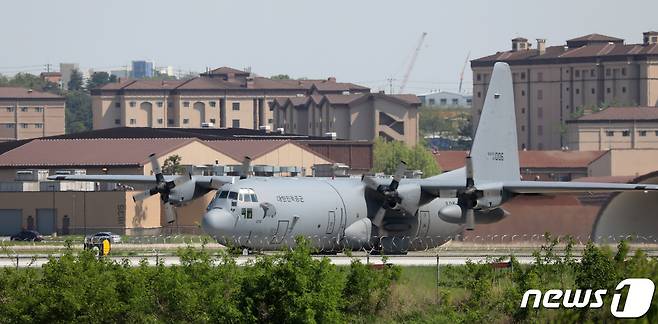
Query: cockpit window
x=248, y=195
x=223, y=195
x=253, y=198
x=233, y=195
x=240, y=197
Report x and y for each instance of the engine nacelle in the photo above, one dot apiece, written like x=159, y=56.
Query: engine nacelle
x=453, y=214
x=358, y=234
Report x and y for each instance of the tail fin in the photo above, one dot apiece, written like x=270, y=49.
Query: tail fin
x=494, y=153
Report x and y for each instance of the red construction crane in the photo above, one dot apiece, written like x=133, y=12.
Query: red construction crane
x=412, y=62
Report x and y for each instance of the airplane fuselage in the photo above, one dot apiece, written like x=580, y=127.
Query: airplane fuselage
x=269, y=213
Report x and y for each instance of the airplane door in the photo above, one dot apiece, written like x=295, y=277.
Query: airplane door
x=331, y=222
x=423, y=223
x=281, y=230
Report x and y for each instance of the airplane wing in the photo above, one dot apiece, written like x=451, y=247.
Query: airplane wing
x=209, y=182
x=550, y=187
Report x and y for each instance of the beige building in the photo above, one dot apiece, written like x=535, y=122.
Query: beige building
x=223, y=97
x=25, y=113
x=615, y=128
x=554, y=84
x=355, y=116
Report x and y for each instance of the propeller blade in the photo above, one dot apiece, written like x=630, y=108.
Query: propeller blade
x=157, y=170
x=470, y=219
x=246, y=166
x=379, y=218
x=399, y=173
x=182, y=179
x=370, y=182
x=469, y=172
x=170, y=213
x=143, y=195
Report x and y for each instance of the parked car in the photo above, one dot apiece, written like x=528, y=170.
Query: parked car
x=27, y=235
x=114, y=238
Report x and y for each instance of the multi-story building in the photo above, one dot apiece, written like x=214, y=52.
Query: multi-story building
x=364, y=116
x=25, y=113
x=142, y=69
x=66, y=69
x=444, y=99
x=615, y=128
x=555, y=84
x=223, y=97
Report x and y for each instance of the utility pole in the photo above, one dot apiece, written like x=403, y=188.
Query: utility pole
x=390, y=85
x=47, y=66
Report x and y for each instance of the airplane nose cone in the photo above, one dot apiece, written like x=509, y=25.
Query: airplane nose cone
x=218, y=222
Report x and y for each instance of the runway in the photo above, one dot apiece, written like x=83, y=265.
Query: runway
x=34, y=261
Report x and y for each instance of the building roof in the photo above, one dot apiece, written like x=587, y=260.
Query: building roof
x=577, y=49
x=152, y=85
x=23, y=93
x=89, y=152
x=228, y=70
x=251, y=148
x=620, y=114
x=451, y=160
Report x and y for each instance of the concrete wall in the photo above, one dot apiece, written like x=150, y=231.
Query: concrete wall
x=625, y=163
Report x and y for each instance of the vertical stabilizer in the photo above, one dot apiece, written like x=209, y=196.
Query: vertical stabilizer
x=494, y=153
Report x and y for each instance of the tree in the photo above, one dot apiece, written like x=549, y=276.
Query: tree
x=172, y=165
x=75, y=83
x=280, y=77
x=99, y=79
x=431, y=121
x=387, y=156
x=78, y=111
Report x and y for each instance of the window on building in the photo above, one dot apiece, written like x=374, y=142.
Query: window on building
x=455, y=101
x=577, y=73
x=117, y=105
x=469, y=101
x=186, y=121
x=235, y=123
x=186, y=103
x=133, y=121
x=212, y=120
x=38, y=125
x=170, y=121
x=523, y=110
x=540, y=76
x=160, y=120
x=522, y=75
x=23, y=109
x=623, y=71
x=608, y=72
x=479, y=77
x=540, y=94
x=38, y=109
x=540, y=112
x=170, y=103
x=577, y=91
x=213, y=103
x=270, y=121
x=479, y=94
x=540, y=130
x=607, y=90
x=623, y=89
x=236, y=106
x=643, y=133
x=10, y=109
x=522, y=93
x=133, y=104
x=626, y=133
x=160, y=104
x=12, y=126
x=23, y=125
x=443, y=101
x=523, y=128
x=117, y=121
x=432, y=102
x=540, y=146
x=592, y=73
x=593, y=91
x=567, y=89
x=609, y=133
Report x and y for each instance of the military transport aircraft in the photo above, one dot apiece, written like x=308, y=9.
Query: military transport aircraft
x=392, y=215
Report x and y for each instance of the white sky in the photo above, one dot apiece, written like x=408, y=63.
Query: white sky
x=364, y=42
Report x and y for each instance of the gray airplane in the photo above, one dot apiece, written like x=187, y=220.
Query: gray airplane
x=392, y=215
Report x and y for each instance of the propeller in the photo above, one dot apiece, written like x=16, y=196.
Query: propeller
x=467, y=199
x=394, y=196
x=246, y=167
x=163, y=188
